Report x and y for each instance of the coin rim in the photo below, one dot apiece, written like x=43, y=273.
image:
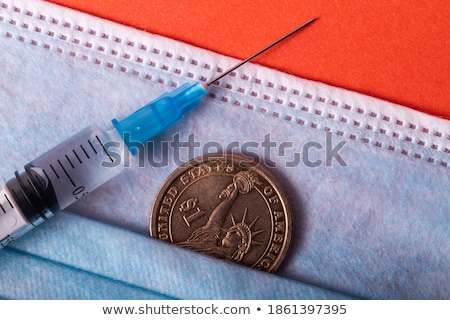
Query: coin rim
x=231, y=157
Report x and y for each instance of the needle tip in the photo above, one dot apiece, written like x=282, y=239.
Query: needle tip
x=206, y=85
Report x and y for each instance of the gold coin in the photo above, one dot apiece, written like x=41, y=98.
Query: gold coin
x=226, y=206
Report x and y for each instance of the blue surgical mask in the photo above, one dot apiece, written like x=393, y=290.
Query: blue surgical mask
x=368, y=181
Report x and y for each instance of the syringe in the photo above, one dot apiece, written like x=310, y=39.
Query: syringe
x=82, y=163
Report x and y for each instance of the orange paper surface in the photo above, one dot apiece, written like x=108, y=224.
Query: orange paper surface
x=394, y=50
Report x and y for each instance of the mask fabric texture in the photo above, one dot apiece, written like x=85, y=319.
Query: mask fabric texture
x=368, y=181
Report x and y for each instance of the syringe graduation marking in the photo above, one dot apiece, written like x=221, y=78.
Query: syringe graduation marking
x=67, y=174
x=76, y=155
x=54, y=171
x=90, y=143
x=104, y=149
x=70, y=162
x=7, y=199
x=82, y=148
x=46, y=175
x=10, y=204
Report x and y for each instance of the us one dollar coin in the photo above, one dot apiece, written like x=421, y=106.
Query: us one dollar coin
x=226, y=206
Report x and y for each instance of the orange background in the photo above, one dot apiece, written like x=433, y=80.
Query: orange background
x=394, y=50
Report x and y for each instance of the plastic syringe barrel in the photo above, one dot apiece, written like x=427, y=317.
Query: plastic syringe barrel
x=55, y=180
